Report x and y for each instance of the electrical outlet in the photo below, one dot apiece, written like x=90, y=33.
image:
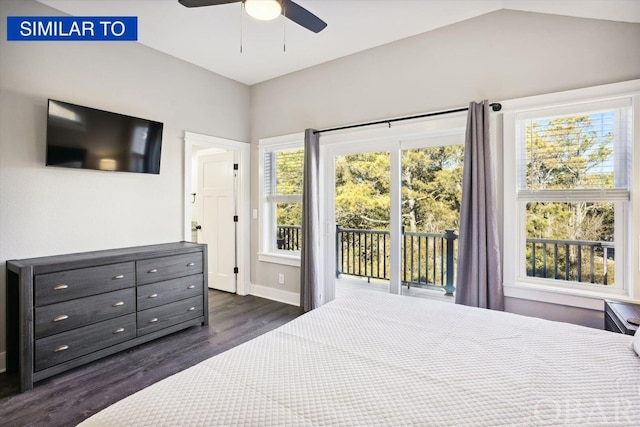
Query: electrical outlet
x=281, y=278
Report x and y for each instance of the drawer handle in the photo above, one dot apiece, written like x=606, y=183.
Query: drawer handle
x=153, y=270
x=60, y=287
x=191, y=308
x=191, y=264
x=117, y=331
x=61, y=317
x=60, y=348
x=191, y=286
x=153, y=295
x=118, y=304
x=118, y=277
x=154, y=320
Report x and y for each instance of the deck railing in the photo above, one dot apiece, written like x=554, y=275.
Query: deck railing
x=574, y=260
x=429, y=259
x=289, y=237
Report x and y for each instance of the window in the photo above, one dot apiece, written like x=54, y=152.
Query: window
x=281, y=213
x=283, y=190
x=573, y=166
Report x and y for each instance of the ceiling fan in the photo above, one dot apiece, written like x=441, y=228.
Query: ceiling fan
x=270, y=9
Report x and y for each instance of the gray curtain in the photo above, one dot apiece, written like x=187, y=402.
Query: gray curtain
x=479, y=278
x=310, y=283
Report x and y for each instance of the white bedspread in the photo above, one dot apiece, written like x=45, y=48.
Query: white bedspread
x=378, y=359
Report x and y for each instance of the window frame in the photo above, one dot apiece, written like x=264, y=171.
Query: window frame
x=618, y=196
x=627, y=220
x=268, y=251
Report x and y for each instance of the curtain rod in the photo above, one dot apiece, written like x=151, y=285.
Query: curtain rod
x=495, y=106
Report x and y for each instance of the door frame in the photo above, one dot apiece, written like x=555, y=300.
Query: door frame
x=243, y=156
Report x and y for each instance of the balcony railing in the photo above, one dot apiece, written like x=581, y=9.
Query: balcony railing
x=289, y=237
x=429, y=259
x=575, y=260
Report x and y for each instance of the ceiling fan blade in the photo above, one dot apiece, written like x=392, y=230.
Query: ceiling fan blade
x=302, y=16
x=199, y=3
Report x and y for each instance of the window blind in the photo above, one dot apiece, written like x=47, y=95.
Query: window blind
x=581, y=150
x=283, y=174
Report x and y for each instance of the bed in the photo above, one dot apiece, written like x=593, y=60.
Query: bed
x=378, y=359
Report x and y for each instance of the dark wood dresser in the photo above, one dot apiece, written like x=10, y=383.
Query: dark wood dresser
x=616, y=315
x=65, y=311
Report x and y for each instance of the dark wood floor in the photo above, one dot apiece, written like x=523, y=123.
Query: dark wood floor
x=69, y=398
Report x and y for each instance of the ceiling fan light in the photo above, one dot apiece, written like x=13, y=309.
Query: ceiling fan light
x=264, y=10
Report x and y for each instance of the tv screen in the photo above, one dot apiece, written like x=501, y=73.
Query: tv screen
x=86, y=138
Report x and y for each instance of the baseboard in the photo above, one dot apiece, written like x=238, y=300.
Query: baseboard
x=3, y=362
x=279, y=295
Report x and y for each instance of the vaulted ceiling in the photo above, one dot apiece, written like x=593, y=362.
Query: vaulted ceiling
x=210, y=37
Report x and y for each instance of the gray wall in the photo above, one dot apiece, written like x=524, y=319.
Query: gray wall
x=501, y=55
x=47, y=211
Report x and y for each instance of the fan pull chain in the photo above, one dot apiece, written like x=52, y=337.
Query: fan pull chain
x=284, y=29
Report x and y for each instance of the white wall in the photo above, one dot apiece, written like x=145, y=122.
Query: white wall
x=46, y=210
x=501, y=55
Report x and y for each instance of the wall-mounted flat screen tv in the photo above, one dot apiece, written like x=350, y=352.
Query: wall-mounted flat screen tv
x=86, y=138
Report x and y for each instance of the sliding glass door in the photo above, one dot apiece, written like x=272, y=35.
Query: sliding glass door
x=431, y=180
x=363, y=218
x=392, y=214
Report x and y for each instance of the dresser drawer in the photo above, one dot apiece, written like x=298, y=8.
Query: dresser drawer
x=62, y=347
x=170, y=314
x=63, y=316
x=161, y=293
x=65, y=285
x=165, y=268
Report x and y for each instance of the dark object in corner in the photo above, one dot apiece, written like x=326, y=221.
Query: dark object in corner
x=617, y=316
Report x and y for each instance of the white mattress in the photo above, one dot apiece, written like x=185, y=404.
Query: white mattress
x=378, y=359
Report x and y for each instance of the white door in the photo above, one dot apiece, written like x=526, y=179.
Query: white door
x=216, y=190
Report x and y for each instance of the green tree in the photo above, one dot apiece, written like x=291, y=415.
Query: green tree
x=431, y=189
x=569, y=153
x=289, y=176
x=363, y=191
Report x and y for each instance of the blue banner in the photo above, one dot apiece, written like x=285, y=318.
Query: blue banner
x=72, y=28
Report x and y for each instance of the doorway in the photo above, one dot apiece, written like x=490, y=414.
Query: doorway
x=217, y=207
x=391, y=211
